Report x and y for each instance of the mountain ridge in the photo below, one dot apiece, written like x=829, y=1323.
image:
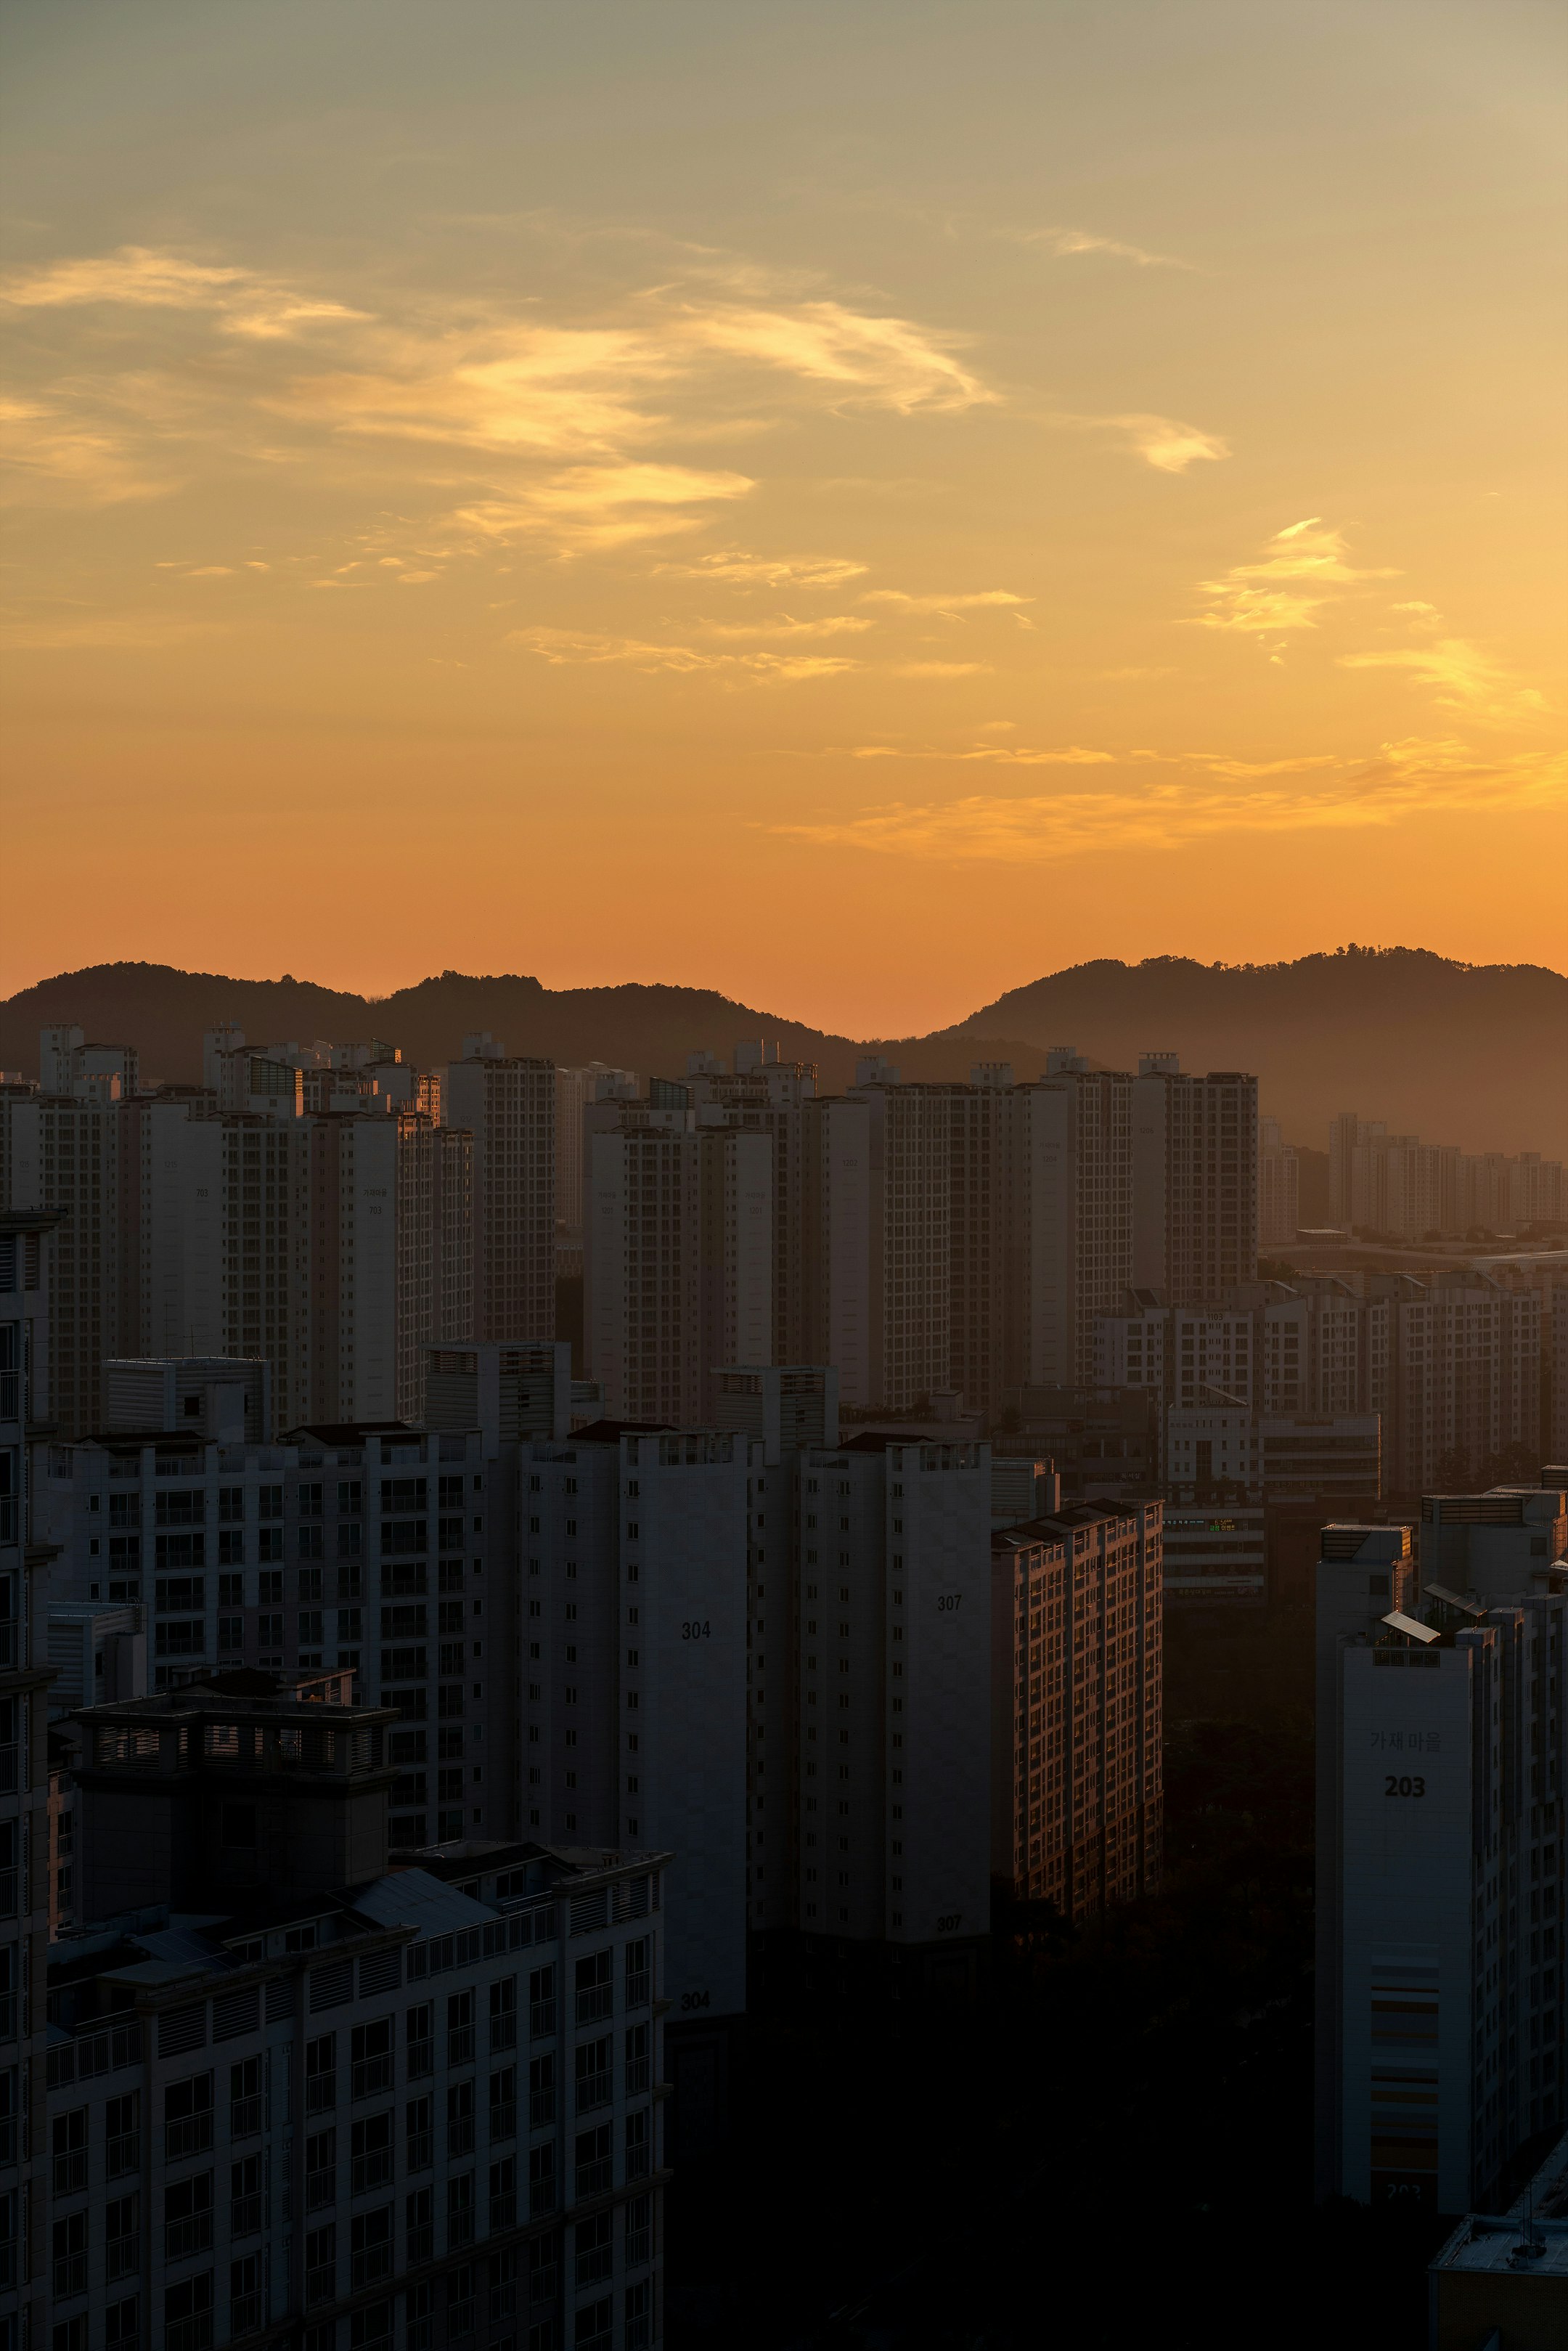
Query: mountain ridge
x=1466, y=1053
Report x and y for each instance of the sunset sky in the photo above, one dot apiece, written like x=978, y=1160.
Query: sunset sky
x=857, y=506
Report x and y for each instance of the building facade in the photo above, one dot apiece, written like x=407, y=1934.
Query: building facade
x=1440, y=1983
x=1077, y=1674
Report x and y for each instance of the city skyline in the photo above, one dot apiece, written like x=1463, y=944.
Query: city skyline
x=890, y=463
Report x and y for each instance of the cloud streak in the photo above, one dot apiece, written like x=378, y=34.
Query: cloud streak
x=1407, y=780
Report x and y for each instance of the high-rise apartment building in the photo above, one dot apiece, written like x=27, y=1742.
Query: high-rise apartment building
x=1195, y=1181
x=294, y=2093
x=631, y=1681
x=878, y=1242
x=678, y=1263
x=575, y=1090
x=508, y=1103
x=61, y=1153
x=27, y=1241
x=1442, y=2031
x=1068, y=1247
x=1077, y=1669
x=1278, y=1186
x=376, y=1552
x=1460, y=1383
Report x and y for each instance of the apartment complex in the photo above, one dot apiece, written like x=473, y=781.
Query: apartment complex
x=1442, y=2037
x=1395, y=1184
x=1278, y=1186
x=1077, y=1667
x=290, y=2087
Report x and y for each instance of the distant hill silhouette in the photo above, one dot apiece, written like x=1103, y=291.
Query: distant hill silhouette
x=1473, y=1054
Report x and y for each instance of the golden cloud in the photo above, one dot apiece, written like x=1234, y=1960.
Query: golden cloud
x=563, y=647
x=1410, y=779
x=1300, y=571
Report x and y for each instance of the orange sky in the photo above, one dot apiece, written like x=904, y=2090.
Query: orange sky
x=855, y=509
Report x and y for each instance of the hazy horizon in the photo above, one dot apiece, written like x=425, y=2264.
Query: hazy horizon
x=807, y=502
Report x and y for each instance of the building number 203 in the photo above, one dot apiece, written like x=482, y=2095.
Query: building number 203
x=696, y=1628
x=1396, y=1786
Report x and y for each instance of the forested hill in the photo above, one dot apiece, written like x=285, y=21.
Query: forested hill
x=1476, y=1055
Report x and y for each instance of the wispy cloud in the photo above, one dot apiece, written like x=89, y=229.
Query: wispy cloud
x=1067, y=242
x=878, y=361
x=762, y=571
x=1300, y=570
x=142, y=278
x=1462, y=678
x=51, y=454
x=1411, y=779
x=586, y=507
x=568, y=647
x=969, y=601
x=1163, y=441
x=826, y=624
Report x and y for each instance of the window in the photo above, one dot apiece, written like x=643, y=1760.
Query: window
x=321, y=2170
x=321, y=2263
x=71, y=2255
x=541, y=2093
x=246, y=2195
x=69, y=2136
x=502, y=2195
x=541, y=2179
x=370, y=2152
x=245, y=2294
x=188, y=2218
x=370, y=2051
x=639, y=2315
x=637, y=2145
x=460, y=2028
x=122, y=2136
x=459, y=2119
x=594, y=2253
x=122, y=2238
x=420, y=2037
x=593, y=2062
x=188, y=2314
x=246, y=2106
x=503, y=2015
x=460, y=2212
x=595, y=1987
x=419, y=2223
x=542, y=2003
x=595, y=2173
x=417, y=2117
x=187, y=2118
x=638, y=2041
x=321, y=2074
x=503, y=2105
x=371, y=2246
x=122, y=2326
x=638, y=1980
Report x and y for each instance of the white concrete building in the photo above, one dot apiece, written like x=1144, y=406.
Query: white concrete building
x=575, y=1088
x=375, y=1551
x=292, y=2091
x=1440, y=1964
